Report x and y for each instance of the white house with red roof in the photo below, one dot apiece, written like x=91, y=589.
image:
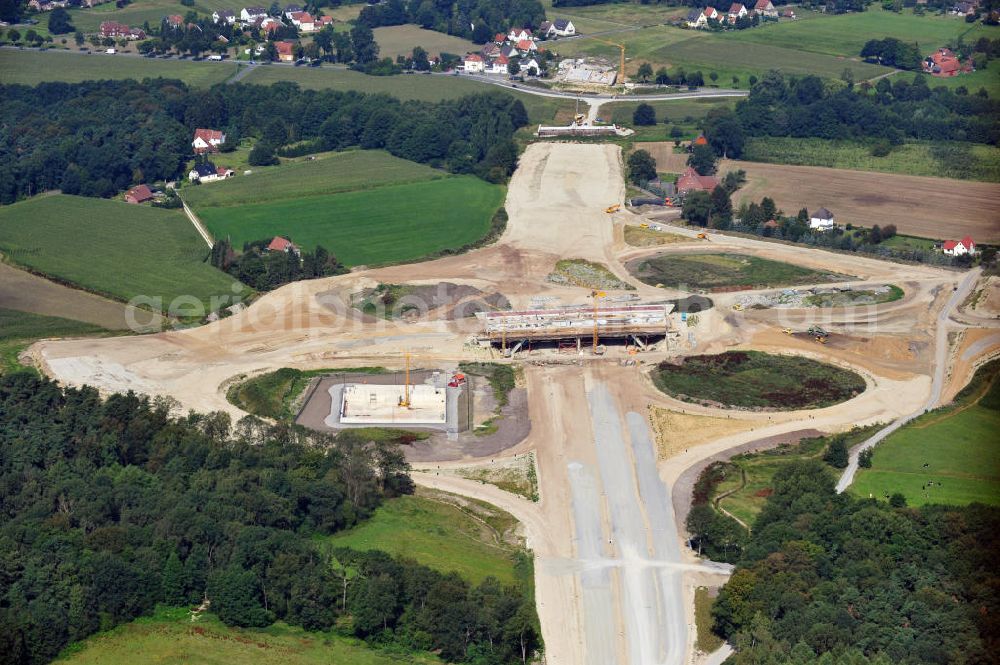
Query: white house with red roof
x=285, y=51
x=303, y=21
x=706, y=15
x=279, y=244
x=518, y=34
x=737, y=11
x=959, y=247
x=498, y=65
x=526, y=46
x=209, y=172
x=207, y=140
x=474, y=63
x=765, y=8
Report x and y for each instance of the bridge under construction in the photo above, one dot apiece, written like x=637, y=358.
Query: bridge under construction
x=577, y=326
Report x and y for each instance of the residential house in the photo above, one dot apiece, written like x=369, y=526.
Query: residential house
x=789, y=13
x=209, y=172
x=944, y=62
x=526, y=46
x=736, y=12
x=303, y=21
x=207, y=140
x=269, y=25
x=490, y=51
x=323, y=21
x=474, y=63
x=821, y=220
x=530, y=66
x=175, y=21
x=959, y=247
x=286, y=51
x=706, y=15
x=564, y=28
x=279, y=244
x=292, y=9
x=115, y=30
x=765, y=8
x=509, y=51
x=252, y=14
x=498, y=65
x=499, y=38
x=690, y=181
x=223, y=16
x=693, y=19
x=138, y=194
x=519, y=34
x=546, y=30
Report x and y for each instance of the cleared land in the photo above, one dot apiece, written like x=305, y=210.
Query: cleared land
x=113, y=248
x=966, y=161
x=32, y=68
x=276, y=394
x=466, y=537
x=948, y=456
x=18, y=329
x=722, y=272
x=169, y=638
x=752, y=379
x=927, y=207
x=400, y=40
x=637, y=236
x=378, y=226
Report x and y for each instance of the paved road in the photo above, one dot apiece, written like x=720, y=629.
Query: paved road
x=937, y=385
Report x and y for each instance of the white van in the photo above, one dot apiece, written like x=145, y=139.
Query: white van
x=111, y=51
x=215, y=57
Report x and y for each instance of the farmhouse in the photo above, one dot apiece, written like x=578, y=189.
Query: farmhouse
x=959, y=247
x=251, y=14
x=209, y=172
x=765, y=8
x=223, y=16
x=207, y=140
x=944, y=62
x=279, y=244
x=285, y=50
x=138, y=194
x=821, y=220
x=474, y=63
x=691, y=181
x=114, y=30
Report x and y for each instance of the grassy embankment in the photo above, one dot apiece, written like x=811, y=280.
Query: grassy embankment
x=636, y=236
x=756, y=380
x=364, y=207
x=724, y=272
x=115, y=249
x=19, y=329
x=948, y=456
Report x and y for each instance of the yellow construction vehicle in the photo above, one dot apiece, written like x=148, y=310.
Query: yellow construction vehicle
x=579, y=118
x=702, y=236
x=821, y=340
x=644, y=226
x=787, y=331
x=615, y=208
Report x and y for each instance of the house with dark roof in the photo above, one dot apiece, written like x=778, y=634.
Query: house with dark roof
x=251, y=14
x=546, y=29
x=564, y=27
x=223, y=16
x=208, y=172
x=138, y=194
x=821, y=220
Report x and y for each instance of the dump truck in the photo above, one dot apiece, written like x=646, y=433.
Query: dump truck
x=615, y=208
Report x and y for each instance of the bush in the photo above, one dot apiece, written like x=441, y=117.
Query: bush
x=262, y=155
x=644, y=115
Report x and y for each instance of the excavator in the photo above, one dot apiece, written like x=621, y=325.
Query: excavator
x=702, y=236
x=613, y=208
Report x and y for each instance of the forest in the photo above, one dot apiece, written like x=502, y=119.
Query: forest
x=477, y=20
x=862, y=580
x=99, y=138
x=112, y=506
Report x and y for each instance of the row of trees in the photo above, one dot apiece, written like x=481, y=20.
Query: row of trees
x=113, y=506
x=99, y=138
x=263, y=270
x=477, y=20
x=892, y=52
x=861, y=580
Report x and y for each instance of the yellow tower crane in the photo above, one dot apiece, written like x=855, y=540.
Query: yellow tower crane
x=596, y=295
x=405, y=403
x=621, y=62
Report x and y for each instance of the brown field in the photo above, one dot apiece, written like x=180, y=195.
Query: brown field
x=400, y=40
x=29, y=293
x=937, y=208
x=667, y=161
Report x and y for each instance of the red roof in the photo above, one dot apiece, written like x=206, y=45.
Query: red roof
x=701, y=140
x=736, y=7
x=949, y=244
x=280, y=244
x=473, y=57
x=503, y=60
x=140, y=193
x=499, y=38
x=709, y=11
x=284, y=48
x=525, y=44
x=209, y=135
x=762, y=4
x=175, y=19
x=691, y=180
x=303, y=17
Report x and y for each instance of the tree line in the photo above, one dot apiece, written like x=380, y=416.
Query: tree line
x=98, y=138
x=112, y=506
x=476, y=20
x=264, y=270
x=827, y=577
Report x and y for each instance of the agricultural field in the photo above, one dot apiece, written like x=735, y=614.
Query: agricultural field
x=442, y=532
x=170, y=638
x=391, y=224
x=723, y=272
x=756, y=380
x=937, y=208
x=33, y=67
x=948, y=456
x=114, y=249
x=965, y=161
x=400, y=40
x=19, y=329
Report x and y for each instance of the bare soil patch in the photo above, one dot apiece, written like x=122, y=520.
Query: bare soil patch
x=938, y=208
x=413, y=301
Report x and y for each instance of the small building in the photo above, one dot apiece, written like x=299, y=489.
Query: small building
x=789, y=13
x=821, y=220
x=279, y=244
x=138, y=194
x=474, y=63
x=691, y=180
x=223, y=16
x=959, y=247
x=175, y=21
x=285, y=50
x=526, y=46
x=765, y=8
x=736, y=12
x=207, y=140
x=771, y=224
x=209, y=172
x=303, y=21
x=518, y=34
x=706, y=15
x=546, y=30
x=564, y=27
x=251, y=14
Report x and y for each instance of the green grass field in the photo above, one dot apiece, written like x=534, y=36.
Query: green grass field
x=757, y=380
x=134, y=14
x=19, y=329
x=684, y=113
x=440, y=535
x=723, y=272
x=945, y=160
x=170, y=638
x=329, y=173
x=391, y=224
x=32, y=68
x=400, y=40
x=113, y=248
x=950, y=455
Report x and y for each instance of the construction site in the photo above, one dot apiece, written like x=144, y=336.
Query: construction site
x=615, y=455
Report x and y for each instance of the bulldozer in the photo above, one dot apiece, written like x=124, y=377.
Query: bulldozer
x=614, y=208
